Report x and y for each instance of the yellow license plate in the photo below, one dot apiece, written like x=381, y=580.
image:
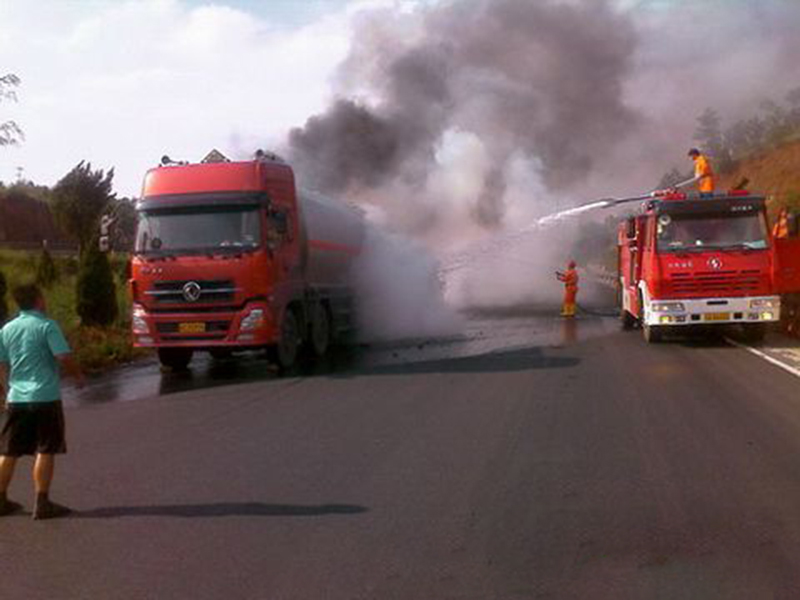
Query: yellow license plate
x=191, y=328
x=717, y=317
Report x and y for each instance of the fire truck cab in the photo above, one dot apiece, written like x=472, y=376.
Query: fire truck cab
x=700, y=260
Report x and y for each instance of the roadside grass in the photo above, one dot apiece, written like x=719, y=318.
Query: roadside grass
x=96, y=349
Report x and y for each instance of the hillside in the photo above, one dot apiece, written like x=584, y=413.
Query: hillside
x=775, y=173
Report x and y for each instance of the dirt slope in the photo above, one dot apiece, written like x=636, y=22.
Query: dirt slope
x=775, y=173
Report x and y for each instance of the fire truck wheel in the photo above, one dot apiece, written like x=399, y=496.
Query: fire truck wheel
x=627, y=319
x=652, y=333
x=320, y=331
x=176, y=359
x=285, y=353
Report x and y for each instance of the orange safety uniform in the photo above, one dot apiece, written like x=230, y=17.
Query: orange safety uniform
x=781, y=227
x=702, y=169
x=570, y=279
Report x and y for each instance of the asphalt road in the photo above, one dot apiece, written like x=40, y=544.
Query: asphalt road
x=528, y=459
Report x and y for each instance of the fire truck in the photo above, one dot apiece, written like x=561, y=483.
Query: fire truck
x=232, y=256
x=692, y=261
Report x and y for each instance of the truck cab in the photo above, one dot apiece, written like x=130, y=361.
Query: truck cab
x=699, y=260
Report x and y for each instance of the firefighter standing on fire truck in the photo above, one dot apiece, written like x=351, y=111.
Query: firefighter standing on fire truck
x=570, y=280
x=703, y=174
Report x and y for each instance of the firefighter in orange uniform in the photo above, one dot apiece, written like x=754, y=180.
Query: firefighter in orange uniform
x=570, y=280
x=781, y=227
x=703, y=174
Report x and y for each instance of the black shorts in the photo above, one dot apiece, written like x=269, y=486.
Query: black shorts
x=32, y=428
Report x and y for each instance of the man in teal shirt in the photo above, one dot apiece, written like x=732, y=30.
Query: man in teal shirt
x=32, y=348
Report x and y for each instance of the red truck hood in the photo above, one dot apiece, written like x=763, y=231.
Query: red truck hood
x=715, y=274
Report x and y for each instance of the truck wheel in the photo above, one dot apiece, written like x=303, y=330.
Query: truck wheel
x=285, y=352
x=320, y=331
x=754, y=332
x=652, y=333
x=176, y=359
x=627, y=319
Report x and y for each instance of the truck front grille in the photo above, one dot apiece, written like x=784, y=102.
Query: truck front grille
x=716, y=283
x=212, y=291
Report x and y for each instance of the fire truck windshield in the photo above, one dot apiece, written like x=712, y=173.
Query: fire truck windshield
x=682, y=233
x=198, y=229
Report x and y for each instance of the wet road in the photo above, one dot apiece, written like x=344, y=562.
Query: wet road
x=528, y=458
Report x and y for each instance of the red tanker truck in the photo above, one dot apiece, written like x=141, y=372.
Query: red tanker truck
x=691, y=260
x=231, y=256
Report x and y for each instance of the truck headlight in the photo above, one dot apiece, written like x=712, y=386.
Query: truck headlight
x=253, y=320
x=765, y=303
x=670, y=307
x=138, y=322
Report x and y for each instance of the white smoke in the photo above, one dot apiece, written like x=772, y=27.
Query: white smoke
x=399, y=291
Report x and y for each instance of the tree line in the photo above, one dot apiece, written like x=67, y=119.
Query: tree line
x=771, y=126
x=77, y=203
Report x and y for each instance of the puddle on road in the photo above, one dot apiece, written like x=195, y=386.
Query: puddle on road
x=486, y=332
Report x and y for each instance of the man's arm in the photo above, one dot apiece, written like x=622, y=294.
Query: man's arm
x=71, y=368
x=3, y=382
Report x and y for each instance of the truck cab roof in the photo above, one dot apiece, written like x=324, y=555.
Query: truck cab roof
x=735, y=202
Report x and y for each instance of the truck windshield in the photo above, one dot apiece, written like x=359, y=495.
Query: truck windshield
x=681, y=233
x=198, y=230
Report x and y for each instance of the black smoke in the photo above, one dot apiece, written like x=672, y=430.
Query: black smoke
x=542, y=80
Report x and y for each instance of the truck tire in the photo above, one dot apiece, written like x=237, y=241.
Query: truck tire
x=652, y=333
x=285, y=352
x=627, y=320
x=320, y=333
x=176, y=359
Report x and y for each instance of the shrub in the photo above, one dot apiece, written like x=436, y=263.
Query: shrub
x=96, y=297
x=3, y=303
x=46, y=270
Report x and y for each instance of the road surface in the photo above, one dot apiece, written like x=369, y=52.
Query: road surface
x=530, y=458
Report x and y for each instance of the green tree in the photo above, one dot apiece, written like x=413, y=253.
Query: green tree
x=125, y=218
x=746, y=137
x=709, y=134
x=672, y=178
x=10, y=132
x=777, y=121
x=79, y=200
x=96, y=296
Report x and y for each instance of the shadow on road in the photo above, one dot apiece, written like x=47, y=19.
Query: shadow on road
x=221, y=509
x=524, y=359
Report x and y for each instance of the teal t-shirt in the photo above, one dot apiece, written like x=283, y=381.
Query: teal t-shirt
x=30, y=344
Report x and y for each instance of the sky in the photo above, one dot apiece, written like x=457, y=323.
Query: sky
x=121, y=83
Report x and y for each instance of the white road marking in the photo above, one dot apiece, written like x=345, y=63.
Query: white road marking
x=771, y=359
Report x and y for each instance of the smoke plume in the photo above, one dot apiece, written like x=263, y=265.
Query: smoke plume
x=537, y=81
x=461, y=119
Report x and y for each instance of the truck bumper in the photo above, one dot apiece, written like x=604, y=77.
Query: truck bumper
x=236, y=329
x=712, y=311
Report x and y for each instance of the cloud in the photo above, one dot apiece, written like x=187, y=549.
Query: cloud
x=121, y=83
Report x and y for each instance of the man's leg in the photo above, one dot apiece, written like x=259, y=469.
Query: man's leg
x=43, y=470
x=7, y=464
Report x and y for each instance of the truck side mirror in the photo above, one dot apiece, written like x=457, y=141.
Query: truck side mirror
x=281, y=222
x=104, y=241
x=631, y=230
